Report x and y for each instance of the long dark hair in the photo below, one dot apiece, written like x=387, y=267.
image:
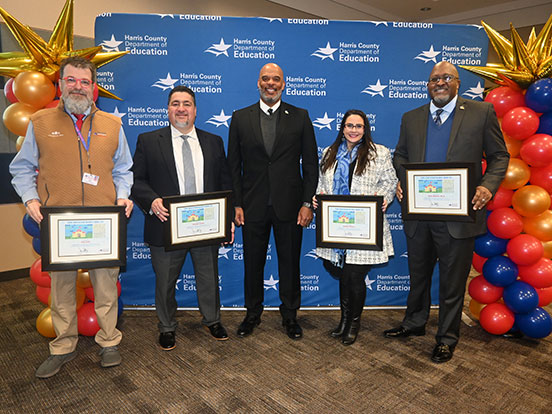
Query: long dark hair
x=366, y=147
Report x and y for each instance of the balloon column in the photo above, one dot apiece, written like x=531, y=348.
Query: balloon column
x=515, y=255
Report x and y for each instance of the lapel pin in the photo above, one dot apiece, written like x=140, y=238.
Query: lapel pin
x=286, y=112
x=461, y=106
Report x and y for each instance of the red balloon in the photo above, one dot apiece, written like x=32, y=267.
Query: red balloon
x=538, y=275
x=483, y=291
x=537, y=150
x=504, y=223
x=53, y=104
x=478, y=262
x=87, y=320
x=90, y=291
x=504, y=98
x=95, y=92
x=542, y=176
x=520, y=123
x=525, y=249
x=502, y=198
x=38, y=276
x=496, y=318
x=8, y=91
x=545, y=296
x=42, y=293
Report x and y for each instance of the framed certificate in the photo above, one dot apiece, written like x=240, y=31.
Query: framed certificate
x=349, y=222
x=82, y=237
x=439, y=191
x=198, y=220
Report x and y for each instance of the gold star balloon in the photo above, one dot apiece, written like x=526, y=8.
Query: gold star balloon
x=45, y=57
x=522, y=64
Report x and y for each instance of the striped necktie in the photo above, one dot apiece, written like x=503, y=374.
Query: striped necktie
x=189, y=172
x=437, y=119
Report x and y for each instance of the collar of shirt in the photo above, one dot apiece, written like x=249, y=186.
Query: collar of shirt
x=447, y=109
x=175, y=133
x=264, y=107
x=74, y=118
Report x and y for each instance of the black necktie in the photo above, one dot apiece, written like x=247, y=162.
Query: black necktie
x=270, y=110
x=437, y=119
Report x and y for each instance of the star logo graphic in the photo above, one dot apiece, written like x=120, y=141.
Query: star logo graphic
x=164, y=84
x=323, y=122
x=270, y=283
x=378, y=23
x=325, y=52
x=218, y=49
x=177, y=282
x=428, y=55
x=312, y=254
x=271, y=19
x=479, y=27
x=405, y=254
x=376, y=89
x=111, y=45
x=165, y=15
x=117, y=113
x=220, y=119
x=223, y=252
x=368, y=282
x=475, y=92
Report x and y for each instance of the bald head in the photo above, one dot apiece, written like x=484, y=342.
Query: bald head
x=271, y=83
x=443, y=83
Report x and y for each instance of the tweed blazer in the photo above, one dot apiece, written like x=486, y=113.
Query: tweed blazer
x=379, y=178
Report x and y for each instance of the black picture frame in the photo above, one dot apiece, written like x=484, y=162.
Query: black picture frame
x=331, y=233
x=105, y=247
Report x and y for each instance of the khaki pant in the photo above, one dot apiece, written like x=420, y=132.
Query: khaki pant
x=64, y=308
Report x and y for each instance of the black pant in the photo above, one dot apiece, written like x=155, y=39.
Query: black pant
x=352, y=287
x=288, y=236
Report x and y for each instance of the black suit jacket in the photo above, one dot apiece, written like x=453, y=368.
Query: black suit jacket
x=475, y=130
x=155, y=173
x=256, y=176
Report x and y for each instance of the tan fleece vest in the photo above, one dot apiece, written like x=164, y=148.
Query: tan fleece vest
x=63, y=159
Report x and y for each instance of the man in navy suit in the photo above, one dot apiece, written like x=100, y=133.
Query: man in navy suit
x=273, y=157
x=179, y=159
x=448, y=129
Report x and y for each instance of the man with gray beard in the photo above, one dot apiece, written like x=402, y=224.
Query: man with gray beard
x=76, y=155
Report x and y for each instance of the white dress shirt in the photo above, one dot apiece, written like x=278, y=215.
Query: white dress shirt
x=197, y=157
x=447, y=109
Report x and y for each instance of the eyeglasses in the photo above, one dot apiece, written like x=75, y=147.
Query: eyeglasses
x=446, y=78
x=353, y=126
x=71, y=81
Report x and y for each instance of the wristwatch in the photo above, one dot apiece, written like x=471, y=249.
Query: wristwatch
x=307, y=204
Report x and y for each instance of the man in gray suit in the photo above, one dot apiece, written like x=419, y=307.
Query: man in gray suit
x=179, y=159
x=448, y=129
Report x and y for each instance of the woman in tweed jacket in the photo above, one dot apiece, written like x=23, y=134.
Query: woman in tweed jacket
x=355, y=165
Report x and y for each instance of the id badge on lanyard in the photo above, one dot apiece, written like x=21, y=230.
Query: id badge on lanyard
x=87, y=177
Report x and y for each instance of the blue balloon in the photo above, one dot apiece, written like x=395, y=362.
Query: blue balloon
x=535, y=324
x=488, y=245
x=545, y=124
x=36, y=244
x=500, y=271
x=31, y=226
x=539, y=95
x=520, y=297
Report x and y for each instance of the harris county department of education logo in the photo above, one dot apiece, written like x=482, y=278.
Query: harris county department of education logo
x=245, y=48
x=475, y=92
x=111, y=45
x=325, y=52
x=165, y=83
x=218, y=120
x=218, y=49
x=271, y=283
x=375, y=89
x=455, y=54
x=324, y=122
x=428, y=55
x=398, y=89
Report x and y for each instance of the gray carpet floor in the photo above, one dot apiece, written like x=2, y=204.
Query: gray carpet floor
x=267, y=372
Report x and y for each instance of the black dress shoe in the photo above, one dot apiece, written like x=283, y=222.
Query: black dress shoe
x=442, y=353
x=247, y=326
x=217, y=331
x=293, y=330
x=167, y=341
x=402, y=332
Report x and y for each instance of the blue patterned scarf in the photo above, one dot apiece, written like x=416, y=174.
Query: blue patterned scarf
x=344, y=158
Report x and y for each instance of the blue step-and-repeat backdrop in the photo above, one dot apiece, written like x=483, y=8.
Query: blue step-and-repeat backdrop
x=329, y=67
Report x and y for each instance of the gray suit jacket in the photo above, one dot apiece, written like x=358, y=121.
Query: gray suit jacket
x=475, y=132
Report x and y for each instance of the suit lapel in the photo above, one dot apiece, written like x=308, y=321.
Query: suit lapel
x=283, y=122
x=206, y=157
x=420, y=128
x=166, y=148
x=254, y=119
x=459, y=112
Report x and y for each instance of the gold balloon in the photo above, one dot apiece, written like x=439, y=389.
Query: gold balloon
x=46, y=57
x=539, y=226
x=517, y=175
x=44, y=324
x=19, y=142
x=531, y=200
x=475, y=308
x=513, y=145
x=17, y=116
x=547, y=249
x=83, y=279
x=33, y=88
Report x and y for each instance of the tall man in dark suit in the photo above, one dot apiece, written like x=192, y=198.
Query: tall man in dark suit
x=454, y=129
x=179, y=159
x=266, y=143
